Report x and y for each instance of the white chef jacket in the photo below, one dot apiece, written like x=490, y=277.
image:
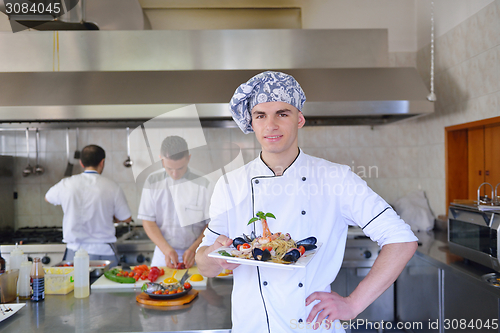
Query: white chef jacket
x=89, y=202
x=179, y=208
x=313, y=197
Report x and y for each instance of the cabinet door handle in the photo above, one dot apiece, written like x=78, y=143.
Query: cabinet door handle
x=480, y=172
x=487, y=172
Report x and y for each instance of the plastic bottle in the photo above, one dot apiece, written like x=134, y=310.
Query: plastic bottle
x=23, y=285
x=82, y=275
x=37, y=281
x=16, y=257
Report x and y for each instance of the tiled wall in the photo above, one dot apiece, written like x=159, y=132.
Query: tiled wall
x=467, y=83
x=384, y=156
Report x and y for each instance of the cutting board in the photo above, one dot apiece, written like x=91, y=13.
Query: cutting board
x=143, y=298
x=104, y=283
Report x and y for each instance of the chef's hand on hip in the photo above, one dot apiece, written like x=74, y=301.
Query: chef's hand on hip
x=188, y=258
x=222, y=241
x=171, y=258
x=331, y=306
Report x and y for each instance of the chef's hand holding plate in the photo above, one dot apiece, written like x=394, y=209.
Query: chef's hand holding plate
x=331, y=306
x=222, y=241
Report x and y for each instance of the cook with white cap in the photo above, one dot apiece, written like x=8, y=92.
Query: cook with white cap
x=308, y=196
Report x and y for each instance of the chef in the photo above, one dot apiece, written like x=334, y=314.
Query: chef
x=308, y=196
x=174, y=206
x=91, y=203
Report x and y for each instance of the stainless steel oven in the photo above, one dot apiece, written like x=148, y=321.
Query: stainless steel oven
x=473, y=234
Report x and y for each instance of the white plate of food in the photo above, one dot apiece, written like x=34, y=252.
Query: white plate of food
x=300, y=263
x=8, y=310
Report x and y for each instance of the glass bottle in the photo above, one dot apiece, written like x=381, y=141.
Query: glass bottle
x=37, y=281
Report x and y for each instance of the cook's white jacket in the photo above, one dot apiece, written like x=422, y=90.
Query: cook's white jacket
x=179, y=208
x=89, y=202
x=313, y=197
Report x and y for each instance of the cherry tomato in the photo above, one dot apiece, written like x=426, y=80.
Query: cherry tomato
x=162, y=271
x=238, y=247
x=187, y=285
x=302, y=250
x=143, y=277
x=181, y=265
x=267, y=247
x=245, y=246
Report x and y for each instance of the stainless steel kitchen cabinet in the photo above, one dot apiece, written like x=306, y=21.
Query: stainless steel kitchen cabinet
x=382, y=309
x=418, y=291
x=468, y=306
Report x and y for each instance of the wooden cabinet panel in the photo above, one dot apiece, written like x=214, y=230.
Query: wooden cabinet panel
x=475, y=152
x=456, y=165
x=471, y=148
x=492, y=155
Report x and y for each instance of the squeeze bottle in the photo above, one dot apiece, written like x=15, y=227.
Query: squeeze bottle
x=82, y=274
x=23, y=284
x=16, y=258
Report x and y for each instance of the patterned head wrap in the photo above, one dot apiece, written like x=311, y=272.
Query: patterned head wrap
x=264, y=87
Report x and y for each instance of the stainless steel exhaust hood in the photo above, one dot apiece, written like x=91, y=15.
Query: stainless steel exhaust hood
x=133, y=76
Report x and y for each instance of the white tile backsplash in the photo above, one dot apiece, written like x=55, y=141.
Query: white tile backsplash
x=313, y=136
x=337, y=136
x=244, y=141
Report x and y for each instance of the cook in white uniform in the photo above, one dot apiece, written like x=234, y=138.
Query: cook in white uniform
x=309, y=197
x=174, y=206
x=91, y=203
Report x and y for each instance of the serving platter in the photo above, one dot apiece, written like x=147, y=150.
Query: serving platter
x=9, y=310
x=170, y=296
x=301, y=263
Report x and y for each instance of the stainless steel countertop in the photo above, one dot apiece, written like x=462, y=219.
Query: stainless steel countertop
x=118, y=311
x=433, y=248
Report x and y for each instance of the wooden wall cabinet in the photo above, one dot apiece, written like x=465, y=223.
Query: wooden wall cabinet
x=472, y=158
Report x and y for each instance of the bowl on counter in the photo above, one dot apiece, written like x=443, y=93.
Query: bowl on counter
x=96, y=267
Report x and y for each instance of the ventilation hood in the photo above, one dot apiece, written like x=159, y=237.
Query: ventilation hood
x=117, y=77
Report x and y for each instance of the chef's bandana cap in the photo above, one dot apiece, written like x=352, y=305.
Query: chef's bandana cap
x=262, y=88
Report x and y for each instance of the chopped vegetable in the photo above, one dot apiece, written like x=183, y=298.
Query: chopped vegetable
x=113, y=276
x=224, y=253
